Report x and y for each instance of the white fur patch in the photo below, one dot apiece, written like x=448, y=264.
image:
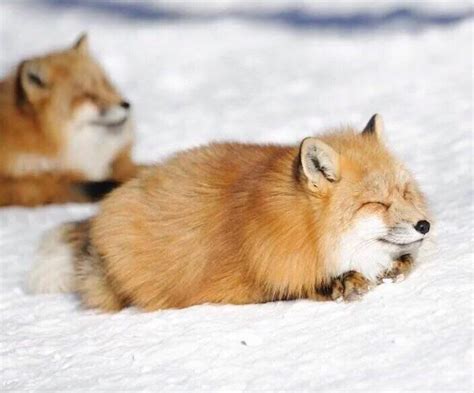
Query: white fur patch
x=53, y=269
x=361, y=251
x=27, y=163
x=92, y=144
x=91, y=147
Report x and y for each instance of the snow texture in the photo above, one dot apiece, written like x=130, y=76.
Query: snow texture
x=266, y=72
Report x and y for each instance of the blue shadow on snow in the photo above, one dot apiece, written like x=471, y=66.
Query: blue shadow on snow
x=292, y=17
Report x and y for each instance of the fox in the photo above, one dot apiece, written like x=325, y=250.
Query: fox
x=66, y=133
x=234, y=223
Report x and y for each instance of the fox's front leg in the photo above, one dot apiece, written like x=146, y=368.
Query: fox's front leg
x=399, y=269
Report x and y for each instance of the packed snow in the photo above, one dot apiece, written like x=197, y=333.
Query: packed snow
x=272, y=72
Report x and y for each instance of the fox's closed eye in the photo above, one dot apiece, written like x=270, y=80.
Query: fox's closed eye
x=384, y=205
x=90, y=96
x=407, y=193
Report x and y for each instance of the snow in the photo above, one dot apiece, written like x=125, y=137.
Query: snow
x=237, y=71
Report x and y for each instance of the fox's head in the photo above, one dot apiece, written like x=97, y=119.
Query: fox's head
x=68, y=90
x=372, y=209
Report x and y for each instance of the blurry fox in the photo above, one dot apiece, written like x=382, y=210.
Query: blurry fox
x=241, y=223
x=65, y=131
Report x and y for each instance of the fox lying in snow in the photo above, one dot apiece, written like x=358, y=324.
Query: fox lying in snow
x=65, y=131
x=237, y=223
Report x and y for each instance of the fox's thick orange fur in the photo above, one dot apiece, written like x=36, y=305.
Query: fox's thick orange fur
x=239, y=223
x=57, y=116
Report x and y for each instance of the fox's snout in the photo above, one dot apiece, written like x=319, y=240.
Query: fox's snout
x=407, y=233
x=113, y=115
x=122, y=105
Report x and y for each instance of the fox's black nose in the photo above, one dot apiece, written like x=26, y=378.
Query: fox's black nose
x=423, y=226
x=125, y=104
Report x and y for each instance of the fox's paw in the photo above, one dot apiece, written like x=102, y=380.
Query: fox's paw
x=355, y=286
x=330, y=291
x=337, y=289
x=349, y=286
x=399, y=269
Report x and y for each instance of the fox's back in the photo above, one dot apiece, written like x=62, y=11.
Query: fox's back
x=185, y=215
x=203, y=187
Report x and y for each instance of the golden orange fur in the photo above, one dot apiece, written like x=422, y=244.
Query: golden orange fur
x=45, y=145
x=239, y=223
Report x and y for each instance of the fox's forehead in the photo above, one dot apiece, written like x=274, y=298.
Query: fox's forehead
x=70, y=65
x=392, y=178
x=385, y=179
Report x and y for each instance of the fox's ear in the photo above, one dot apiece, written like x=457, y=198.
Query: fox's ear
x=374, y=126
x=82, y=44
x=32, y=83
x=319, y=161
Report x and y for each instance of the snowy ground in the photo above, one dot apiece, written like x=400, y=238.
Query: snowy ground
x=275, y=73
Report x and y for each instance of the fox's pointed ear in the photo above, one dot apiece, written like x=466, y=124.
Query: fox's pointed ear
x=82, y=44
x=374, y=126
x=32, y=82
x=319, y=161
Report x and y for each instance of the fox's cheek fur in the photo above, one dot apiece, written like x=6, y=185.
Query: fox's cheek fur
x=370, y=245
x=94, y=139
x=361, y=250
x=83, y=113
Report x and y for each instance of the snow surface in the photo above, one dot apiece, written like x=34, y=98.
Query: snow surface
x=275, y=72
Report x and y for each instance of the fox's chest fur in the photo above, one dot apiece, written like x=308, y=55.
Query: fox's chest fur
x=357, y=250
x=88, y=152
x=91, y=150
